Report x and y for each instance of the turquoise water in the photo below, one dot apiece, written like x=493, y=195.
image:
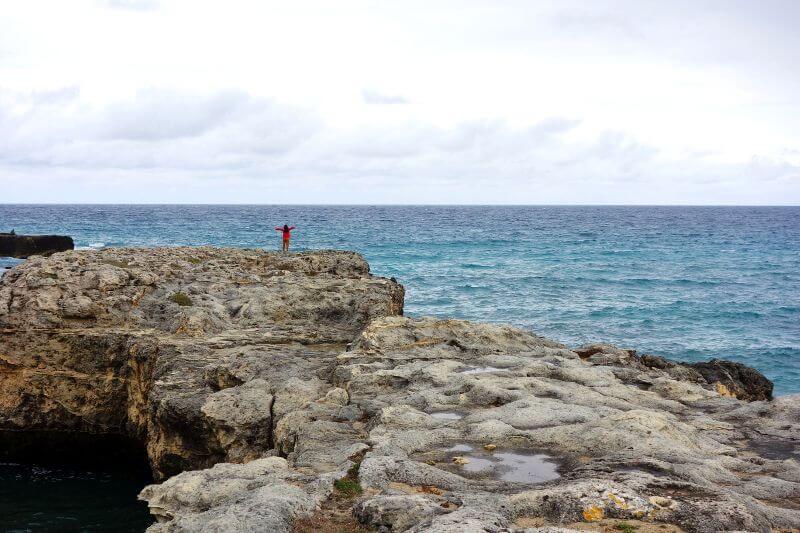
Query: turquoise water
x=688, y=283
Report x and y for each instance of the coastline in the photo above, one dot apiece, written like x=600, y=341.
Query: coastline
x=271, y=388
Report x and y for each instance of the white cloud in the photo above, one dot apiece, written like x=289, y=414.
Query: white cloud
x=135, y=5
x=252, y=148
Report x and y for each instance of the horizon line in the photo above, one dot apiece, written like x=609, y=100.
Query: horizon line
x=154, y=204
x=375, y=204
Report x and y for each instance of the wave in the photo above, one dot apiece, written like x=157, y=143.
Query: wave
x=92, y=246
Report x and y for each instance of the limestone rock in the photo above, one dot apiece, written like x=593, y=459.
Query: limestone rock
x=396, y=513
x=304, y=356
x=631, y=441
x=95, y=341
x=263, y=495
x=241, y=418
x=727, y=378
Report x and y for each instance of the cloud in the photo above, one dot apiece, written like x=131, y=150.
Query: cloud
x=157, y=128
x=156, y=114
x=232, y=146
x=131, y=5
x=378, y=98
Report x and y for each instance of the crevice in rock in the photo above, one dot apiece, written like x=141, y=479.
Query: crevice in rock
x=272, y=423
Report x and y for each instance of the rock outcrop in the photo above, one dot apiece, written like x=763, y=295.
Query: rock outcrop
x=23, y=246
x=192, y=350
x=729, y=378
x=282, y=386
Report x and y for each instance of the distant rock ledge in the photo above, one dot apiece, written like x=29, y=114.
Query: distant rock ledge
x=23, y=246
x=286, y=392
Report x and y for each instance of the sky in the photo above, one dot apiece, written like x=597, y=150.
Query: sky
x=412, y=102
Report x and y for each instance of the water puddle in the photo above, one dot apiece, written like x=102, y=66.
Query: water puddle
x=481, y=370
x=515, y=465
x=447, y=415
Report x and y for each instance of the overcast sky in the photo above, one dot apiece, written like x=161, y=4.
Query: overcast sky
x=522, y=102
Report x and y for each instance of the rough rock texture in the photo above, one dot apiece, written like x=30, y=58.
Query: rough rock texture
x=104, y=342
x=23, y=246
x=735, y=379
x=726, y=377
x=631, y=441
x=289, y=370
x=262, y=495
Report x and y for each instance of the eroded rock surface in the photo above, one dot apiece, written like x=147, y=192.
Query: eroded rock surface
x=631, y=441
x=293, y=371
x=189, y=349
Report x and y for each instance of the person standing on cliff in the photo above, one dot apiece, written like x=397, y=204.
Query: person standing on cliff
x=287, y=234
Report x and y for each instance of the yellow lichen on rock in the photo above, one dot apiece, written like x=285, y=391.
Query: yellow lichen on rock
x=593, y=513
x=459, y=460
x=430, y=489
x=722, y=390
x=618, y=501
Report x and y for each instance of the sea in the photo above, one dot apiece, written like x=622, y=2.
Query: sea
x=687, y=283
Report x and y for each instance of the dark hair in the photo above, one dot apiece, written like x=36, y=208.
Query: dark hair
x=286, y=227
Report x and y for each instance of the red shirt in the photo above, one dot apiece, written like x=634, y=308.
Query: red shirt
x=287, y=232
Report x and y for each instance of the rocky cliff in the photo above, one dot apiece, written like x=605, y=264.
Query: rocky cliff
x=291, y=395
x=189, y=350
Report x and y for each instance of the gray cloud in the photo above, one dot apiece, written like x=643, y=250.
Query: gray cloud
x=156, y=129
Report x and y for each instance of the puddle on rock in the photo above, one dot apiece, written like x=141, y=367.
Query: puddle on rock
x=481, y=370
x=519, y=467
x=447, y=415
x=515, y=465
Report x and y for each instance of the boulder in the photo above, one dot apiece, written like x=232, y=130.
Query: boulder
x=735, y=379
x=23, y=246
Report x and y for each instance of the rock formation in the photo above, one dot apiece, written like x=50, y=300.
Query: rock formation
x=188, y=349
x=22, y=246
x=273, y=388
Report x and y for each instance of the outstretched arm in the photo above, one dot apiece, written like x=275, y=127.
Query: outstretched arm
x=278, y=229
x=291, y=227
